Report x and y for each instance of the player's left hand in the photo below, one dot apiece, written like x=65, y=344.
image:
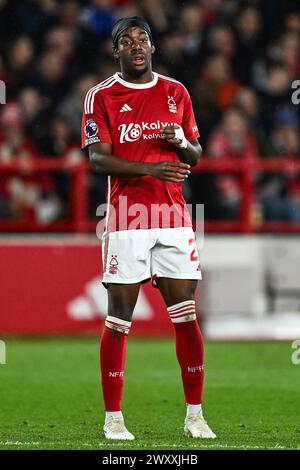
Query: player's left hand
x=174, y=135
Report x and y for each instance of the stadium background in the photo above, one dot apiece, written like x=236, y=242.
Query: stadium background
x=238, y=60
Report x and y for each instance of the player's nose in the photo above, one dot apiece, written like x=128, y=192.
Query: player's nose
x=136, y=45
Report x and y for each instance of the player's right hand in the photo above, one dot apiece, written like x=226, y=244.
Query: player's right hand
x=175, y=172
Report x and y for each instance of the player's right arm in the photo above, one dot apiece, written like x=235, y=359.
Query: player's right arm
x=104, y=162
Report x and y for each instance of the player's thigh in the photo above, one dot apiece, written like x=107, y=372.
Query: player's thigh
x=122, y=299
x=175, y=291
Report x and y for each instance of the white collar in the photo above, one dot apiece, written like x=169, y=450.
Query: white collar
x=138, y=86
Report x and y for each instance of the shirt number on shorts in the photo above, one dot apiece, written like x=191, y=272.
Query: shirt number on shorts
x=193, y=255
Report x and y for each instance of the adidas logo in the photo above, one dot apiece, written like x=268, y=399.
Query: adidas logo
x=125, y=108
x=92, y=303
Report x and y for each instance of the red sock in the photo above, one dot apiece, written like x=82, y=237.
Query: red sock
x=189, y=350
x=112, y=361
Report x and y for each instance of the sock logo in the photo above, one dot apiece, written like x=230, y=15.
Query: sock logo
x=196, y=369
x=116, y=374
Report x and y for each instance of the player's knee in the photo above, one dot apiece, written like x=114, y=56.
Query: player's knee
x=182, y=312
x=122, y=313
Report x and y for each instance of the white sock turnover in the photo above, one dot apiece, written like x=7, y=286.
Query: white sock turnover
x=193, y=409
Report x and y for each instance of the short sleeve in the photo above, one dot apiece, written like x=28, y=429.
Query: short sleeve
x=95, y=125
x=189, y=124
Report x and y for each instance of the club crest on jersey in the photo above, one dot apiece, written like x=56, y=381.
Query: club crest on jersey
x=91, y=128
x=172, y=105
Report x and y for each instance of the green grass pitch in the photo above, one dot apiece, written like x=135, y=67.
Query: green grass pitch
x=50, y=396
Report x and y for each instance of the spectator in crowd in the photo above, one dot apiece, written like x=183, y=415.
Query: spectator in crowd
x=275, y=93
x=279, y=192
x=13, y=141
x=60, y=41
x=233, y=139
x=61, y=142
x=221, y=40
x=289, y=53
x=68, y=16
x=248, y=38
x=32, y=107
x=20, y=62
x=98, y=17
x=192, y=29
x=158, y=14
x=27, y=195
x=213, y=91
x=246, y=100
x=51, y=78
x=285, y=138
x=292, y=22
x=172, y=52
x=218, y=79
x=71, y=107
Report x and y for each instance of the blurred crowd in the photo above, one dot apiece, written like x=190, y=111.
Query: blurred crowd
x=237, y=58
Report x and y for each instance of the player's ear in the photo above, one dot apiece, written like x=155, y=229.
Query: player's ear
x=152, y=49
x=116, y=54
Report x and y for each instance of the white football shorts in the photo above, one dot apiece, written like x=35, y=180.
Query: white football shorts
x=132, y=256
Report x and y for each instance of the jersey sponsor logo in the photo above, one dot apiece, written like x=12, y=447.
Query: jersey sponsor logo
x=129, y=132
x=195, y=129
x=125, y=108
x=91, y=128
x=172, y=104
x=132, y=132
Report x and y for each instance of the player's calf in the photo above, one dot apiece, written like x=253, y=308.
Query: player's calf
x=112, y=360
x=189, y=350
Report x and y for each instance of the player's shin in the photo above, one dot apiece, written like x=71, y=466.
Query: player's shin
x=112, y=361
x=189, y=350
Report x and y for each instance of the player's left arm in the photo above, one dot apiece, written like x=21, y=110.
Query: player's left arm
x=187, y=151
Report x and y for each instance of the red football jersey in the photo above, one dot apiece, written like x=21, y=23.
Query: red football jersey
x=131, y=117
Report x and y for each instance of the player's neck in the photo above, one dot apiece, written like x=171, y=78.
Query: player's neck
x=144, y=78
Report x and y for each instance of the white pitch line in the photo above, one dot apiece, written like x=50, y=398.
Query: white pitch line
x=202, y=446
x=162, y=446
x=19, y=443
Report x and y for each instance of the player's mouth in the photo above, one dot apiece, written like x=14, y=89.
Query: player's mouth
x=138, y=60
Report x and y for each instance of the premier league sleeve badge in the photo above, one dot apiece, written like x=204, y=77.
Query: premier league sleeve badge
x=91, y=130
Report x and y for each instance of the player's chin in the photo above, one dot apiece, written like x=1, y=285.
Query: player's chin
x=140, y=68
